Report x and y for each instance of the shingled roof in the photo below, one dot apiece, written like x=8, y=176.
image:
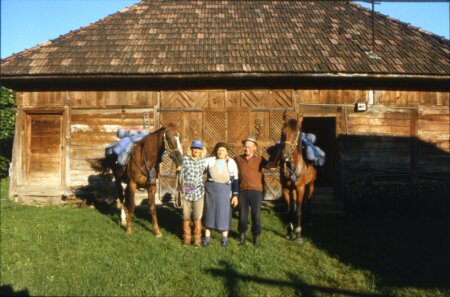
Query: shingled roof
x=173, y=37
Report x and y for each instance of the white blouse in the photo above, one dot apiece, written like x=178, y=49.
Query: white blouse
x=232, y=166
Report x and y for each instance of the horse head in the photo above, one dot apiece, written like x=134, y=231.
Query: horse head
x=172, y=144
x=290, y=136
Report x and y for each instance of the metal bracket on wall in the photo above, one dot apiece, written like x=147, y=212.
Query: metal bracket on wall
x=146, y=122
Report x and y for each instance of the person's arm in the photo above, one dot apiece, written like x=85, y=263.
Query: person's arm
x=233, y=170
x=234, y=191
x=270, y=164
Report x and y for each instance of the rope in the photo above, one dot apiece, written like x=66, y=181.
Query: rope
x=177, y=203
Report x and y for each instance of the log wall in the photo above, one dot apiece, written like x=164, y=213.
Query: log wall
x=401, y=132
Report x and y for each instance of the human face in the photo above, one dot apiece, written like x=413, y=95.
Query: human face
x=222, y=153
x=249, y=148
x=195, y=152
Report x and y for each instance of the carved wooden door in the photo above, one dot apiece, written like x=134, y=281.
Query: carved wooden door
x=231, y=116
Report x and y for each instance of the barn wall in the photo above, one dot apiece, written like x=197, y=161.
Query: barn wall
x=401, y=132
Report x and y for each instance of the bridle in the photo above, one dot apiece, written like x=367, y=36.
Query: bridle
x=293, y=145
x=293, y=172
x=170, y=150
x=180, y=193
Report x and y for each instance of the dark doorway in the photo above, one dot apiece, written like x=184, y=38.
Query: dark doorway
x=325, y=130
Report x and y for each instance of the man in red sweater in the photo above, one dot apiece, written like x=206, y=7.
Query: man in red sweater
x=250, y=188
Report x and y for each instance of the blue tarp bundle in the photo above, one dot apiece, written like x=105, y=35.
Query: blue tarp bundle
x=313, y=152
x=123, y=147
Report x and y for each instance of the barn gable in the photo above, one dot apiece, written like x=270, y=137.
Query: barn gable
x=226, y=69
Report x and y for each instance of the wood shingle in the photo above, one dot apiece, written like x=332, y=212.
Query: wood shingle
x=166, y=37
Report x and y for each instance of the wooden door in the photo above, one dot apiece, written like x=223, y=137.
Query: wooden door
x=229, y=116
x=43, y=160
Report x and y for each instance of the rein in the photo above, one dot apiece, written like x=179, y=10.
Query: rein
x=180, y=193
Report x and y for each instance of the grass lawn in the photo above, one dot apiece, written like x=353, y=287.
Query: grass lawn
x=56, y=251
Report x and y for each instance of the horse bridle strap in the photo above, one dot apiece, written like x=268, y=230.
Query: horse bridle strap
x=167, y=146
x=294, y=145
x=293, y=172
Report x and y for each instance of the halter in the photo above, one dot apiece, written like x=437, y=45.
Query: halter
x=293, y=172
x=170, y=150
x=178, y=198
x=293, y=145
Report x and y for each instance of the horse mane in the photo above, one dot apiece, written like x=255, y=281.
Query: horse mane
x=156, y=135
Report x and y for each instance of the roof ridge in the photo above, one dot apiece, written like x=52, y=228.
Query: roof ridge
x=421, y=30
x=27, y=51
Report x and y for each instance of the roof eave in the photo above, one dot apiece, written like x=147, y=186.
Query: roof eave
x=227, y=80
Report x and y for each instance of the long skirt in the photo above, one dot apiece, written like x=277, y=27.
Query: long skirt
x=217, y=211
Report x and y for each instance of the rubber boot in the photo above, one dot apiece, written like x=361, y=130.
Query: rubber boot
x=186, y=233
x=224, y=242
x=242, y=239
x=256, y=240
x=197, y=233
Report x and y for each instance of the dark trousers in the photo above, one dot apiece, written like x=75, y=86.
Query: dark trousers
x=250, y=199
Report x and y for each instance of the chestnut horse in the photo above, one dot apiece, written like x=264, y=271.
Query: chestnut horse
x=142, y=170
x=296, y=175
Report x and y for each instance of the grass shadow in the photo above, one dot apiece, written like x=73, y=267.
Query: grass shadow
x=399, y=251
x=101, y=193
x=7, y=290
x=231, y=278
x=169, y=218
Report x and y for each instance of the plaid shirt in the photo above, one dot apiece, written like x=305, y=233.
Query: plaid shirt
x=192, y=172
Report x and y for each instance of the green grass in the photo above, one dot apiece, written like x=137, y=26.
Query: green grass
x=57, y=251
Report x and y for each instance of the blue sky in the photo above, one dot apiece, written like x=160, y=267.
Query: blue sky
x=26, y=23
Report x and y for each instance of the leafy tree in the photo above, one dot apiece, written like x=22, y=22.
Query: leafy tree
x=7, y=123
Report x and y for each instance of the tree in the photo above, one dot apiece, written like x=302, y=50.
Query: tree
x=7, y=124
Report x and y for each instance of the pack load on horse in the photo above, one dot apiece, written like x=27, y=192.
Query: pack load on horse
x=296, y=175
x=142, y=169
x=123, y=147
x=312, y=152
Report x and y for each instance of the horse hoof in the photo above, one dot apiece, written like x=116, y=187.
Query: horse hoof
x=299, y=240
x=158, y=235
x=129, y=232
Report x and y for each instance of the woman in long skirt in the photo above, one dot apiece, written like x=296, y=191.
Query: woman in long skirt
x=221, y=191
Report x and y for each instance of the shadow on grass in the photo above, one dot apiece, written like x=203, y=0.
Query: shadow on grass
x=7, y=290
x=169, y=219
x=231, y=278
x=400, y=251
x=102, y=194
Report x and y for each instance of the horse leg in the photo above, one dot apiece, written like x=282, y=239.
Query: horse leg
x=120, y=205
x=309, y=202
x=298, y=212
x=287, y=198
x=151, y=197
x=129, y=201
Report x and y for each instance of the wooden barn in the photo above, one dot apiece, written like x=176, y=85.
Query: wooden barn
x=374, y=90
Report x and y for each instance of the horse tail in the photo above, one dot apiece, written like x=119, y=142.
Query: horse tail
x=103, y=165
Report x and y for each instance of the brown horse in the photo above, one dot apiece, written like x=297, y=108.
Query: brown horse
x=142, y=170
x=296, y=175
